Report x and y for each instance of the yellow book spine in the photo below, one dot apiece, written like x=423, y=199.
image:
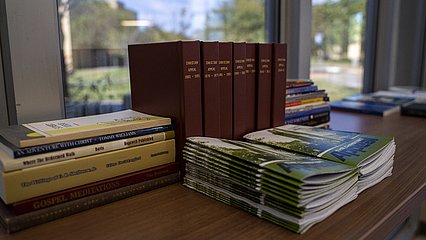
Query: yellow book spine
x=313, y=100
x=36, y=181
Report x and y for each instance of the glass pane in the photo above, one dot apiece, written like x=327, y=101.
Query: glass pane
x=95, y=35
x=338, y=28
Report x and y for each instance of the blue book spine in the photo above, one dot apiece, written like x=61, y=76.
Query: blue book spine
x=29, y=151
x=309, y=112
x=306, y=89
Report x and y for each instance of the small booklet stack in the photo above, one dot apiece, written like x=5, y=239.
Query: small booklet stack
x=56, y=168
x=306, y=104
x=294, y=176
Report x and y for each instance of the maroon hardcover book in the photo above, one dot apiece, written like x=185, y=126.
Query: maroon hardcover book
x=165, y=80
x=279, y=79
x=211, y=88
x=264, y=74
x=251, y=86
x=239, y=90
x=225, y=78
x=71, y=194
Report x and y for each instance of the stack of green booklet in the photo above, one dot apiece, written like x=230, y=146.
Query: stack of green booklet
x=285, y=187
x=373, y=155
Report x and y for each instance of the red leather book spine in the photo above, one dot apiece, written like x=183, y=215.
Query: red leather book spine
x=165, y=80
x=264, y=74
x=225, y=78
x=239, y=90
x=279, y=79
x=251, y=86
x=211, y=88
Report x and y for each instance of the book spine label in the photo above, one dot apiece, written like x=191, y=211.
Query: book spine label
x=279, y=78
x=192, y=88
x=239, y=90
x=32, y=182
x=211, y=88
x=30, y=219
x=10, y=164
x=23, y=152
x=225, y=76
x=72, y=194
x=251, y=86
x=264, y=74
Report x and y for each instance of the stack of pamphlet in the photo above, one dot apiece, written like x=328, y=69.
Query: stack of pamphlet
x=306, y=104
x=56, y=168
x=302, y=177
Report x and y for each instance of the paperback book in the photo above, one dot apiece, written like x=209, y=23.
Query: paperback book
x=373, y=155
x=38, y=133
x=290, y=189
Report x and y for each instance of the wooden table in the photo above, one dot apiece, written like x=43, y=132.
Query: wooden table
x=175, y=212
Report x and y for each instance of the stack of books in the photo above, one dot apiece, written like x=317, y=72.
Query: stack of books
x=57, y=168
x=378, y=103
x=294, y=176
x=215, y=89
x=306, y=104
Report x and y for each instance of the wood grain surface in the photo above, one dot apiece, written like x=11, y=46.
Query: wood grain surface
x=175, y=212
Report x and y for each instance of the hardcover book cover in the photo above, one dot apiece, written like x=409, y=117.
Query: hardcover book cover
x=165, y=80
x=239, y=90
x=264, y=85
x=38, y=133
x=225, y=77
x=279, y=79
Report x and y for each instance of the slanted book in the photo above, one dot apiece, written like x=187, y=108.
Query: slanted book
x=289, y=189
x=373, y=155
x=38, y=133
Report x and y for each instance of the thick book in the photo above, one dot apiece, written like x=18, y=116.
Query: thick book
x=225, y=77
x=279, y=79
x=32, y=182
x=165, y=80
x=310, y=120
x=38, y=133
x=8, y=164
x=251, y=49
x=264, y=86
x=373, y=155
x=72, y=194
x=292, y=190
x=211, y=88
x=239, y=87
x=13, y=223
x=17, y=152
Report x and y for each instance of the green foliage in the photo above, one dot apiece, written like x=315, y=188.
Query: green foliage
x=335, y=20
x=240, y=20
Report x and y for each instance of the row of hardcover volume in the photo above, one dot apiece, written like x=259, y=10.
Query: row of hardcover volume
x=291, y=175
x=306, y=104
x=217, y=89
x=57, y=168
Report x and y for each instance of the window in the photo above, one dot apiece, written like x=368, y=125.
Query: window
x=337, y=50
x=95, y=35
